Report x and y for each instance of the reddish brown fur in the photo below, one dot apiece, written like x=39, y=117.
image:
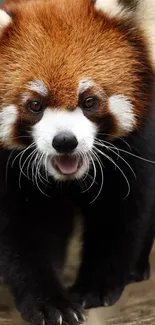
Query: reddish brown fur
x=61, y=42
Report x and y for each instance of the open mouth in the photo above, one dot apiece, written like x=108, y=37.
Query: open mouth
x=67, y=164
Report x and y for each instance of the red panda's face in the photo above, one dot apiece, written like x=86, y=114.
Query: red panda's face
x=69, y=73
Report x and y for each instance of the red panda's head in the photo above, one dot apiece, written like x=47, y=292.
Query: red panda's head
x=69, y=72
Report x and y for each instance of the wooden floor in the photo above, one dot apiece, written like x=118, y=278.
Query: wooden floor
x=136, y=307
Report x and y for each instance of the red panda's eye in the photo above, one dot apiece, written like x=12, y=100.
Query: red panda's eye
x=89, y=103
x=35, y=106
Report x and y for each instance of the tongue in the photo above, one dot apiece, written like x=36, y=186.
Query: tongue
x=66, y=164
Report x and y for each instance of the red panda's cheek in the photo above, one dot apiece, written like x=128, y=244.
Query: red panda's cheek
x=13, y=129
x=123, y=113
x=8, y=122
x=115, y=118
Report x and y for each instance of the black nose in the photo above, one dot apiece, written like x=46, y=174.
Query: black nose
x=64, y=142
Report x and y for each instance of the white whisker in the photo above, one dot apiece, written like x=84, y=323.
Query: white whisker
x=46, y=173
x=107, y=146
x=21, y=153
x=118, y=155
x=121, y=171
x=36, y=175
x=108, y=134
x=40, y=176
x=102, y=176
x=138, y=157
x=94, y=177
x=21, y=166
x=125, y=163
x=30, y=161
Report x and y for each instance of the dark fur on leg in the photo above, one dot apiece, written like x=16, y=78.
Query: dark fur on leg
x=118, y=244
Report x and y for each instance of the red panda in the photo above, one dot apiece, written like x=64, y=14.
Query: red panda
x=76, y=94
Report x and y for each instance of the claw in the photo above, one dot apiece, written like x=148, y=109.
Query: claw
x=83, y=317
x=106, y=303
x=84, y=304
x=60, y=320
x=75, y=316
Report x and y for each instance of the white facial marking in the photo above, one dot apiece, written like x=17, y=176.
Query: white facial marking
x=55, y=121
x=123, y=111
x=85, y=84
x=25, y=96
x=111, y=7
x=8, y=117
x=5, y=20
x=38, y=87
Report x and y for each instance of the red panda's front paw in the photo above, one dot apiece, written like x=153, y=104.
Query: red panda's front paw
x=98, y=296
x=102, y=299
x=139, y=274
x=43, y=313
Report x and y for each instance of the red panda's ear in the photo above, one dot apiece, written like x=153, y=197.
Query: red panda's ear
x=112, y=8
x=140, y=12
x=144, y=17
x=5, y=20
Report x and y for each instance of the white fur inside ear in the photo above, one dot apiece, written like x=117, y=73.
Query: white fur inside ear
x=5, y=19
x=144, y=16
x=123, y=112
x=111, y=7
